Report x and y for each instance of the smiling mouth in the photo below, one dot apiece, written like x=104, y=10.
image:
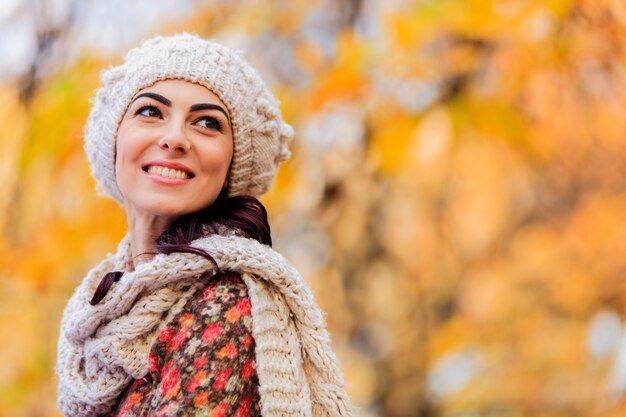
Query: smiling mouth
x=167, y=172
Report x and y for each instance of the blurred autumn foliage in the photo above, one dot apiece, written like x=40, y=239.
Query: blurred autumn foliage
x=456, y=198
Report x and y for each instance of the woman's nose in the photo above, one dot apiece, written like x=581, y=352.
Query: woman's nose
x=174, y=139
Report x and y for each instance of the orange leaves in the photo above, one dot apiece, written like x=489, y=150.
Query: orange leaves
x=392, y=133
x=345, y=80
x=14, y=122
x=489, y=298
x=402, y=29
x=478, y=198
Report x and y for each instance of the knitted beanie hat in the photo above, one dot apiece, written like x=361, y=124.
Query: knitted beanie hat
x=260, y=135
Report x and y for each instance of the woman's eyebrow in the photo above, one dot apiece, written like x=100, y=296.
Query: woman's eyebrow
x=157, y=97
x=209, y=106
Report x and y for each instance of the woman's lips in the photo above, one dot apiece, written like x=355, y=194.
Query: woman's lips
x=166, y=180
x=164, y=168
x=169, y=173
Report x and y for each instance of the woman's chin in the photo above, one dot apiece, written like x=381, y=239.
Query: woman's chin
x=169, y=211
x=161, y=208
x=163, y=204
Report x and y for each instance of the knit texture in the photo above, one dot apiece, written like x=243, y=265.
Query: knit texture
x=259, y=133
x=103, y=347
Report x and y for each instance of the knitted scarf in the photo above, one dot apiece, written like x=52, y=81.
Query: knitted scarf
x=103, y=347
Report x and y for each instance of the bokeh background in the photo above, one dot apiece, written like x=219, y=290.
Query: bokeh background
x=456, y=196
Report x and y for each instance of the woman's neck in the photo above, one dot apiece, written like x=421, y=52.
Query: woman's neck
x=143, y=229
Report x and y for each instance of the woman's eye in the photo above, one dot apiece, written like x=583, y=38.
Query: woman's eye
x=149, y=111
x=209, y=123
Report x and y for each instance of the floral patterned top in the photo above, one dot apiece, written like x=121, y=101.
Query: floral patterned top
x=202, y=363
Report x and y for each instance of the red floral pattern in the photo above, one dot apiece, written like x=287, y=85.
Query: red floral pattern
x=202, y=363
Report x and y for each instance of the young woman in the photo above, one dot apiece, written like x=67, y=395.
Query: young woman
x=194, y=314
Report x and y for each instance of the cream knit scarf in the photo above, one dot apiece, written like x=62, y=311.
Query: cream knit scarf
x=103, y=347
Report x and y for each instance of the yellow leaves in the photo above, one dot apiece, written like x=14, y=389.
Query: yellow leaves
x=392, y=132
x=617, y=10
x=289, y=18
x=402, y=29
x=415, y=230
x=383, y=289
x=49, y=219
x=449, y=336
x=488, y=295
x=575, y=293
x=28, y=327
x=357, y=367
x=611, y=135
x=14, y=124
x=58, y=114
x=345, y=80
x=596, y=231
x=478, y=194
x=430, y=148
x=310, y=56
x=537, y=254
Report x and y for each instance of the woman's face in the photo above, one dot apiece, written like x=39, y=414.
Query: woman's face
x=173, y=150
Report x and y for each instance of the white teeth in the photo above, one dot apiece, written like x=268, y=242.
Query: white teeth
x=167, y=172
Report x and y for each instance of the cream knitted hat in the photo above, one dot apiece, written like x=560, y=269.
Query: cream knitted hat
x=259, y=133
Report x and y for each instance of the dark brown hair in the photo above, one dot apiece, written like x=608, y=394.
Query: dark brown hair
x=244, y=214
